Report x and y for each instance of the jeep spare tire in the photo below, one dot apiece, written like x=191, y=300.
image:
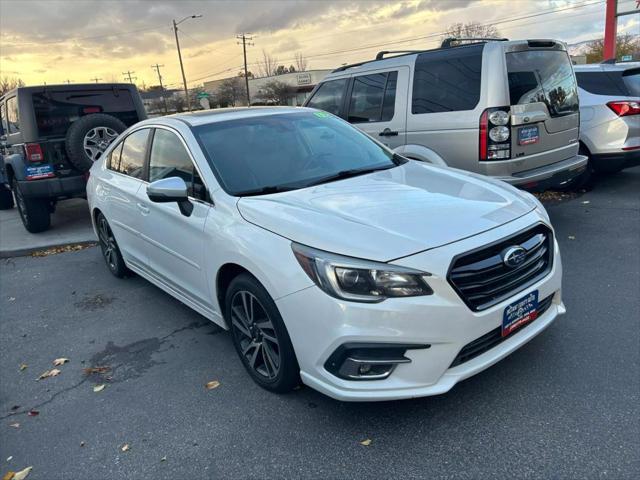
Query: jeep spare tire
x=88, y=138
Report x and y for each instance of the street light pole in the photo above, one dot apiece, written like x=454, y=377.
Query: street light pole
x=184, y=78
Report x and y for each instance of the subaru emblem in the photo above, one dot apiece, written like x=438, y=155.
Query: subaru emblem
x=514, y=256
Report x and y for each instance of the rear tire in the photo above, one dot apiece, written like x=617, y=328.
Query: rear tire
x=6, y=198
x=260, y=336
x=34, y=212
x=110, y=250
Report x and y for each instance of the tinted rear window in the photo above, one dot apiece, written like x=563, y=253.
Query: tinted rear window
x=543, y=76
x=447, y=80
x=631, y=79
x=602, y=83
x=56, y=110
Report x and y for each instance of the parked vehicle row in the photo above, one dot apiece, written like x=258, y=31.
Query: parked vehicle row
x=506, y=109
x=331, y=258
x=50, y=137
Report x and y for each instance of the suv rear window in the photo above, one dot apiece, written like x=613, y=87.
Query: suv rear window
x=611, y=83
x=447, y=80
x=631, y=79
x=56, y=110
x=543, y=76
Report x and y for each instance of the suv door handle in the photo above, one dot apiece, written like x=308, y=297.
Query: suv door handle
x=143, y=209
x=387, y=132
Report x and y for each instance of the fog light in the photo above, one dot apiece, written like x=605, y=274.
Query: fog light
x=364, y=369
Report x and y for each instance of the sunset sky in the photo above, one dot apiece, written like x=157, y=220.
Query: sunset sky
x=77, y=40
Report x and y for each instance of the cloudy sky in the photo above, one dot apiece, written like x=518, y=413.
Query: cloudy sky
x=59, y=40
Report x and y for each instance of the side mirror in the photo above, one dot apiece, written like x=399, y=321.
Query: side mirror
x=172, y=189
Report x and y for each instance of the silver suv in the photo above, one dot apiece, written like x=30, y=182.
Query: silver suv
x=610, y=114
x=506, y=109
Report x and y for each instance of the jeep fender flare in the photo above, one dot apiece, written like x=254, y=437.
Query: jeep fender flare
x=14, y=166
x=422, y=153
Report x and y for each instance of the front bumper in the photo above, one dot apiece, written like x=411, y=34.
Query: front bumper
x=57, y=187
x=548, y=176
x=319, y=324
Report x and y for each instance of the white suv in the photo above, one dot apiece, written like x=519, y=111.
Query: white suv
x=329, y=257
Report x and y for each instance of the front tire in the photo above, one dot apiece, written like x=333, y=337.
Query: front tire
x=34, y=212
x=110, y=250
x=260, y=336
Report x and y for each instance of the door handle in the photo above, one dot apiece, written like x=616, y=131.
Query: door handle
x=387, y=132
x=143, y=209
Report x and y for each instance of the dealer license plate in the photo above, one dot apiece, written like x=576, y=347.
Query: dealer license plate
x=519, y=313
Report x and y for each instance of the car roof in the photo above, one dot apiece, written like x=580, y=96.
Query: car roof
x=606, y=67
x=204, y=117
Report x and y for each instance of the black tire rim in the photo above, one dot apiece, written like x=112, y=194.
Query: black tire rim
x=22, y=206
x=256, y=335
x=107, y=243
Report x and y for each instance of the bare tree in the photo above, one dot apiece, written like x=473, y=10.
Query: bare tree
x=267, y=66
x=471, y=30
x=626, y=44
x=276, y=92
x=231, y=91
x=301, y=62
x=9, y=83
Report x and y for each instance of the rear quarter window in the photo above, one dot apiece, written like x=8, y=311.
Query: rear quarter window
x=447, y=80
x=602, y=83
x=329, y=96
x=631, y=79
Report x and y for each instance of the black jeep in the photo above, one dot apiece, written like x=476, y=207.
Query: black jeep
x=49, y=138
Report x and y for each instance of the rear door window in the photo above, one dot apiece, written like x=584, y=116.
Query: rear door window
x=132, y=155
x=56, y=110
x=13, y=118
x=543, y=76
x=373, y=98
x=329, y=96
x=447, y=80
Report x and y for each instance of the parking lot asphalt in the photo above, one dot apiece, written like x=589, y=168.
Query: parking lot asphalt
x=566, y=405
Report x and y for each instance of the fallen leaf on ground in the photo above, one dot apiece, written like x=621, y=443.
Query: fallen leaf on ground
x=571, y=237
x=125, y=447
x=33, y=413
x=15, y=407
x=23, y=366
x=163, y=459
x=9, y=475
x=366, y=442
x=54, y=372
x=65, y=248
x=92, y=370
x=12, y=299
x=15, y=425
x=99, y=388
x=586, y=202
x=60, y=361
x=82, y=444
x=22, y=474
x=212, y=384
x=9, y=458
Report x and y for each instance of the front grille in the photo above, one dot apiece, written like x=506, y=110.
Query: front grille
x=493, y=338
x=482, y=279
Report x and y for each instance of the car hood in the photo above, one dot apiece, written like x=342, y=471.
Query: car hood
x=388, y=214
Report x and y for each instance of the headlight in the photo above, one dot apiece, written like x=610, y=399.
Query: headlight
x=499, y=134
x=359, y=280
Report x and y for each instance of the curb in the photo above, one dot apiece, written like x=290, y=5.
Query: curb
x=27, y=251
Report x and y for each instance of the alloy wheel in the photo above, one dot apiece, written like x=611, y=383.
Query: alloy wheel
x=256, y=334
x=108, y=243
x=97, y=140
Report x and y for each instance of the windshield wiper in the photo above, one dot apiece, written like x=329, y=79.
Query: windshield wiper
x=265, y=190
x=341, y=175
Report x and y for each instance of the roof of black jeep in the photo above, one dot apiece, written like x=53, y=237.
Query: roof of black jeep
x=70, y=87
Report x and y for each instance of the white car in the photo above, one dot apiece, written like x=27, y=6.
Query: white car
x=330, y=258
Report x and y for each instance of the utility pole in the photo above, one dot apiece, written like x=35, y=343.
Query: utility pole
x=157, y=67
x=244, y=39
x=184, y=78
x=127, y=75
x=68, y=81
x=96, y=79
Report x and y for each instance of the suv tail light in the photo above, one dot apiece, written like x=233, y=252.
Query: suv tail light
x=33, y=152
x=495, y=133
x=624, y=108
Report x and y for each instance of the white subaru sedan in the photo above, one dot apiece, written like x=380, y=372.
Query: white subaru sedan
x=330, y=259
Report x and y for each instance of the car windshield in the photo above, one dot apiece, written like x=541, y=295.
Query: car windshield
x=286, y=151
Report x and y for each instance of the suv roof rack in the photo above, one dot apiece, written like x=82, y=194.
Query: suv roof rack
x=380, y=55
x=448, y=42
